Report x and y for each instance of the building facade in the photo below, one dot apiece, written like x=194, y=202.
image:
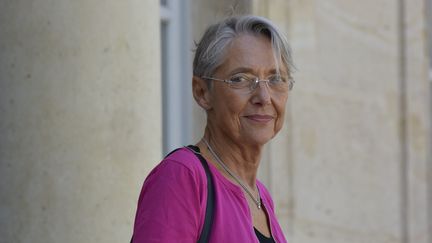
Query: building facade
x=92, y=94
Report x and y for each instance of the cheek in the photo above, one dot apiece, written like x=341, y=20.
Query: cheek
x=280, y=106
x=279, y=123
x=233, y=112
x=280, y=102
x=234, y=104
x=228, y=107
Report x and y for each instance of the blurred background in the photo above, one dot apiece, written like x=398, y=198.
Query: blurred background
x=94, y=93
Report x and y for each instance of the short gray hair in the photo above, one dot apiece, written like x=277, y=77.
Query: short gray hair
x=211, y=49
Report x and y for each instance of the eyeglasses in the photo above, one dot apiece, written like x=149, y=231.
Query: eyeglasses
x=249, y=83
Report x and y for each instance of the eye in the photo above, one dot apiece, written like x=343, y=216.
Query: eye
x=240, y=78
x=276, y=79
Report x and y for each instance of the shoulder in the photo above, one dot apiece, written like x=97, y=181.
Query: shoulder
x=180, y=165
x=181, y=160
x=184, y=157
x=172, y=200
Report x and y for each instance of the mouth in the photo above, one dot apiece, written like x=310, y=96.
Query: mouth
x=260, y=118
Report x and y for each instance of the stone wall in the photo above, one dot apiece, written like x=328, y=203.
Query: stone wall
x=80, y=124
x=351, y=165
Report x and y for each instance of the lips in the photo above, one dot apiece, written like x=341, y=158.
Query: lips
x=260, y=118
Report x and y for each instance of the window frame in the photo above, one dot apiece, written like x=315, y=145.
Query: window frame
x=176, y=66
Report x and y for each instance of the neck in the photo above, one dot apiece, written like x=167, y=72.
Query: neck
x=241, y=158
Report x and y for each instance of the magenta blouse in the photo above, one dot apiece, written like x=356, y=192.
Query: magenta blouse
x=172, y=203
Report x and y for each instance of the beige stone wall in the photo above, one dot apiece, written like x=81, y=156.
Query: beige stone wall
x=417, y=122
x=351, y=165
x=80, y=124
x=80, y=118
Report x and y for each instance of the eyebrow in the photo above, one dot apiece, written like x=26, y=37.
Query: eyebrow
x=252, y=71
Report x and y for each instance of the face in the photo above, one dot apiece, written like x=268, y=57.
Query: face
x=247, y=117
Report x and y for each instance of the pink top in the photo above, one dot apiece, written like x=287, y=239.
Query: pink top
x=172, y=203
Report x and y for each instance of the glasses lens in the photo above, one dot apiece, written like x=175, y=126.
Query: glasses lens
x=249, y=83
x=241, y=81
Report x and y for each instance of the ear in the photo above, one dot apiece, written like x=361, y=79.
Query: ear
x=201, y=92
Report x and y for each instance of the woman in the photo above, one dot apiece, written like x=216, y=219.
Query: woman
x=241, y=79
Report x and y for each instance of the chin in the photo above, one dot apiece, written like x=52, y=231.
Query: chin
x=258, y=139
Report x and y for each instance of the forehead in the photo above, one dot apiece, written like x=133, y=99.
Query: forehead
x=251, y=52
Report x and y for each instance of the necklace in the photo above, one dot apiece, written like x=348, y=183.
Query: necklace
x=257, y=200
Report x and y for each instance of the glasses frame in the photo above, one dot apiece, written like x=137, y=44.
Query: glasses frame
x=253, y=85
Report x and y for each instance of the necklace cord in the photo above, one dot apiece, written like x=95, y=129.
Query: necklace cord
x=257, y=200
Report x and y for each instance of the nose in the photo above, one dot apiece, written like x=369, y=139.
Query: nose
x=261, y=93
